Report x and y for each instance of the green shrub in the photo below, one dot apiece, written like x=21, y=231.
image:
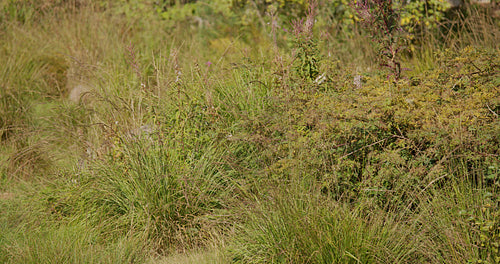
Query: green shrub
x=390, y=137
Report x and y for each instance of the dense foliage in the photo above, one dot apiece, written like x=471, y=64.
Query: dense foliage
x=248, y=132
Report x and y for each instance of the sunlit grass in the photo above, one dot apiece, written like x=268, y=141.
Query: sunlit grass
x=186, y=144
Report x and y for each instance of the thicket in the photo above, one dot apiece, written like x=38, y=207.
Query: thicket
x=267, y=132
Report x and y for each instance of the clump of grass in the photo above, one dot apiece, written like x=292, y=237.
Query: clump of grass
x=299, y=225
x=154, y=189
x=293, y=226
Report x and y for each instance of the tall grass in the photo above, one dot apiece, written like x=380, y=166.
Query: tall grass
x=304, y=226
x=291, y=227
x=160, y=193
x=189, y=144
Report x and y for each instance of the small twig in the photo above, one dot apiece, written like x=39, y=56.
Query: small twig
x=479, y=70
x=259, y=82
x=493, y=112
x=425, y=188
x=376, y=190
x=432, y=182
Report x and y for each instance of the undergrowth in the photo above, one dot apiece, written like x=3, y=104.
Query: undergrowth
x=131, y=136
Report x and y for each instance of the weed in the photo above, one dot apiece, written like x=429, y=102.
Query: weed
x=382, y=22
x=306, y=46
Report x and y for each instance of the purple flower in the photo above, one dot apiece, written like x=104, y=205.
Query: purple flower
x=209, y=63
